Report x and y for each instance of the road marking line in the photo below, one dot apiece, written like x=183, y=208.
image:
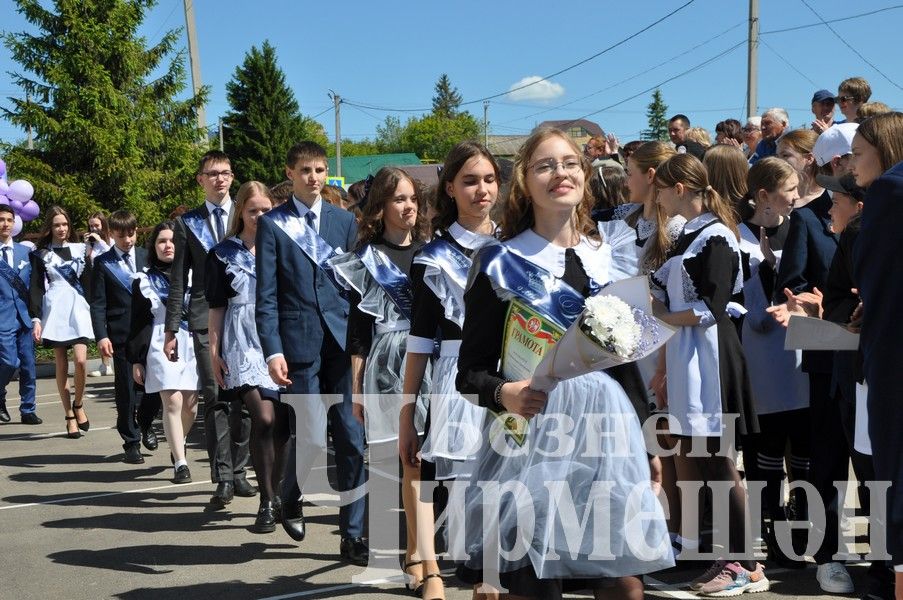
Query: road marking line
x=39, y=436
x=348, y=586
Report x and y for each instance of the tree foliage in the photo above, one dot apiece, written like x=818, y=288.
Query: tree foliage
x=657, y=118
x=109, y=131
x=264, y=120
x=447, y=99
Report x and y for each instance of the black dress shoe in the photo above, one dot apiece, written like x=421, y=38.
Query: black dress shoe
x=277, y=508
x=4, y=415
x=266, y=518
x=183, y=475
x=223, y=494
x=31, y=419
x=355, y=551
x=293, y=520
x=244, y=489
x=149, y=439
x=133, y=455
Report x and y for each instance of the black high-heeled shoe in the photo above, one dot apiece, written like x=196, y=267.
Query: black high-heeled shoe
x=87, y=424
x=73, y=434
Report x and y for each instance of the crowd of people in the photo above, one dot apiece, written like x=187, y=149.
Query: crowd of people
x=380, y=320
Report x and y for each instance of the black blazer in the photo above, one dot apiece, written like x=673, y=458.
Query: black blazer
x=111, y=303
x=36, y=289
x=190, y=256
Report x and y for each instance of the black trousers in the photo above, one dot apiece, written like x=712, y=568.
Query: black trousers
x=131, y=401
x=227, y=423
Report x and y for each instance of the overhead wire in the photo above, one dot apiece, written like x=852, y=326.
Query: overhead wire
x=788, y=63
x=837, y=20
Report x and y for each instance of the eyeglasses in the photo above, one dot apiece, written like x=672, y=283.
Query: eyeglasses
x=571, y=164
x=217, y=174
x=749, y=129
x=845, y=98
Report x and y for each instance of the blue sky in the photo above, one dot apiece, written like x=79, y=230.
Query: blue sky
x=389, y=55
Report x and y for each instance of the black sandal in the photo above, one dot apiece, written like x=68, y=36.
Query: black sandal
x=415, y=586
x=430, y=576
x=73, y=434
x=83, y=426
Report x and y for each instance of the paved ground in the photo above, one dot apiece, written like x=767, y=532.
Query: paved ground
x=75, y=522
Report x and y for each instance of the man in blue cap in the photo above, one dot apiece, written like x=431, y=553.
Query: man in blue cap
x=823, y=109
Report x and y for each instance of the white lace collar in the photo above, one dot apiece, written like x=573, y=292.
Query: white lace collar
x=469, y=239
x=595, y=256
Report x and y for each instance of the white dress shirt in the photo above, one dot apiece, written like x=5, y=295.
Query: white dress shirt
x=227, y=208
x=316, y=208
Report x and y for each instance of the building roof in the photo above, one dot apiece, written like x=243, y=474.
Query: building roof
x=505, y=145
x=355, y=168
x=591, y=128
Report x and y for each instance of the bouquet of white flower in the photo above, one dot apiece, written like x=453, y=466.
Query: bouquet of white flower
x=616, y=327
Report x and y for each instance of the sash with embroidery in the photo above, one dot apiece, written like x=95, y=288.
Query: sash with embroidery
x=448, y=258
x=119, y=273
x=62, y=268
x=311, y=244
x=389, y=277
x=159, y=282
x=198, y=226
x=233, y=252
x=12, y=278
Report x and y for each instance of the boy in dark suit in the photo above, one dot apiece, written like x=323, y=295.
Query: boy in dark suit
x=111, y=307
x=302, y=322
x=16, y=342
x=227, y=424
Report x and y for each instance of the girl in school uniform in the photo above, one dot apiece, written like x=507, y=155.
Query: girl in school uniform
x=176, y=381
x=59, y=308
x=235, y=353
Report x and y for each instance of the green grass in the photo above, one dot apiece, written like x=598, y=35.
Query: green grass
x=45, y=355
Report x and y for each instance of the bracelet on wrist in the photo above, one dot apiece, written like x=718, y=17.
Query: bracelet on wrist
x=497, y=405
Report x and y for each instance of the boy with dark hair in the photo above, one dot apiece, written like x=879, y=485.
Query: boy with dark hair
x=302, y=322
x=111, y=312
x=16, y=342
x=851, y=94
x=227, y=424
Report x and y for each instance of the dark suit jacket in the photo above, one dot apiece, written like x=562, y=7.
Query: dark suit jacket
x=879, y=272
x=14, y=313
x=111, y=303
x=190, y=256
x=296, y=302
x=37, y=288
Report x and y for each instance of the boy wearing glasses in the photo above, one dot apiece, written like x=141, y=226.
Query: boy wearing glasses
x=195, y=233
x=851, y=94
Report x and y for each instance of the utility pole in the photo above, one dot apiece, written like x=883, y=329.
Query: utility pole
x=486, y=123
x=30, y=143
x=221, y=134
x=195, y=60
x=752, y=67
x=337, y=101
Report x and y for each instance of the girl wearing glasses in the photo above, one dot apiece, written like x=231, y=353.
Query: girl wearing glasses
x=551, y=259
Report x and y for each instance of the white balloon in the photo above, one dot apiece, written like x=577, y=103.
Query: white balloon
x=17, y=225
x=20, y=190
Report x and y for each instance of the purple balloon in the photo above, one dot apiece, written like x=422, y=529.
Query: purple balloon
x=16, y=205
x=17, y=225
x=4, y=187
x=20, y=190
x=29, y=210
x=2, y=169
x=4, y=200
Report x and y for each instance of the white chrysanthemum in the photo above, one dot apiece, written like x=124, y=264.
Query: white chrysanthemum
x=610, y=321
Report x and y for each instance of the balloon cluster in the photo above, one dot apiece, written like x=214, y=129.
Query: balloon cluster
x=18, y=195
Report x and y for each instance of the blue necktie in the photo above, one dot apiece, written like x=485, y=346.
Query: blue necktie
x=311, y=217
x=127, y=259
x=220, y=225
x=6, y=255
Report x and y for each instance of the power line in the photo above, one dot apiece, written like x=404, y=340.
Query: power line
x=838, y=20
x=323, y=112
x=788, y=63
x=632, y=77
x=541, y=79
x=855, y=51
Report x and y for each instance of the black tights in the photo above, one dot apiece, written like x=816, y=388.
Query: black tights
x=713, y=468
x=269, y=433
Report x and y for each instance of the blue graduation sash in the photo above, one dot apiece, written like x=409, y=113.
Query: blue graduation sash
x=64, y=269
x=448, y=258
x=232, y=252
x=389, y=277
x=160, y=284
x=311, y=244
x=114, y=266
x=198, y=226
x=12, y=278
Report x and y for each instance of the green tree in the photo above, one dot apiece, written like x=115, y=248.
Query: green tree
x=389, y=136
x=432, y=136
x=447, y=99
x=264, y=120
x=109, y=131
x=657, y=118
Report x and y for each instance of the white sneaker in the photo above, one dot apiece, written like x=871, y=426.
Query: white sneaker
x=834, y=578
x=95, y=374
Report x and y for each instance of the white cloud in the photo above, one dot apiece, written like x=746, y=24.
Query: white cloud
x=544, y=91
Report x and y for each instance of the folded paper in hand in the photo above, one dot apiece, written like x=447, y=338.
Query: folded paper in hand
x=810, y=333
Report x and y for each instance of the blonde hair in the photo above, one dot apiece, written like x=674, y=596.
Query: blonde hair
x=802, y=141
x=768, y=174
x=687, y=170
x=872, y=109
x=247, y=190
x=727, y=168
x=517, y=215
x=650, y=155
x=699, y=135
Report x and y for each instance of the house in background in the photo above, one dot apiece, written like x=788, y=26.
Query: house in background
x=579, y=130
